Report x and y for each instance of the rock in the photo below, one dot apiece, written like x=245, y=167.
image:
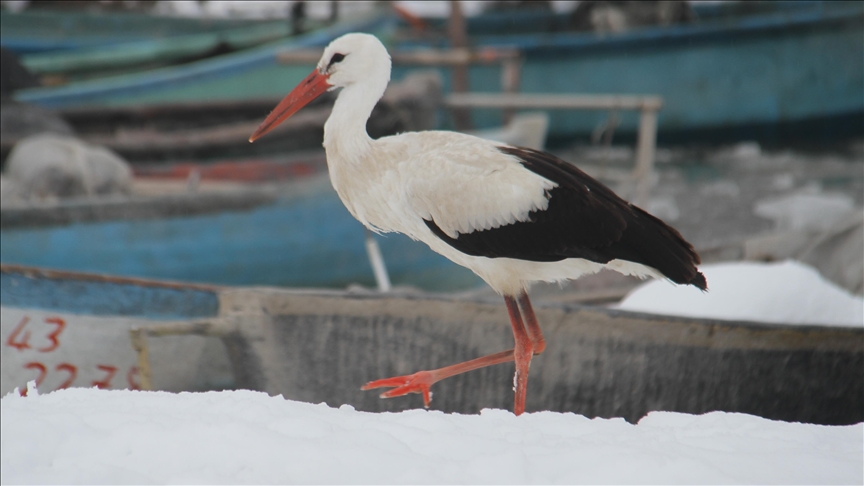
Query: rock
x=21, y=120
x=10, y=192
x=50, y=165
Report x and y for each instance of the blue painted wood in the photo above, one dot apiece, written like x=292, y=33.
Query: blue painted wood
x=794, y=63
x=309, y=241
x=791, y=62
x=79, y=296
x=38, y=30
x=239, y=70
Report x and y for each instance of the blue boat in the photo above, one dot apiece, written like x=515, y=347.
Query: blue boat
x=762, y=70
x=46, y=30
x=298, y=236
x=789, y=69
x=247, y=74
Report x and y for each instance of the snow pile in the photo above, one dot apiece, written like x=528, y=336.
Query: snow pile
x=787, y=292
x=100, y=436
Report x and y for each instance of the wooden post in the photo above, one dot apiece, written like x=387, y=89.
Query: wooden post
x=645, y=148
x=459, y=72
x=648, y=107
x=511, y=76
x=139, y=342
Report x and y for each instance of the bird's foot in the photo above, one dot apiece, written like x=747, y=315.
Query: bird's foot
x=417, y=383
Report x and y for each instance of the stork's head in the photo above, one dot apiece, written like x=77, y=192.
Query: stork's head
x=352, y=59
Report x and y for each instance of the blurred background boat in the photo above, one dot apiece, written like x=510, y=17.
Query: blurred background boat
x=43, y=30
x=770, y=71
x=293, y=234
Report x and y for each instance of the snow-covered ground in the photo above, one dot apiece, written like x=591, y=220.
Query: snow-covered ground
x=786, y=292
x=120, y=437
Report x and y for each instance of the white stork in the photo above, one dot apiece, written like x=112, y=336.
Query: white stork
x=512, y=215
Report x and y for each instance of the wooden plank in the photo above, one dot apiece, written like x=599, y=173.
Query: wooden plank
x=419, y=57
x=553, y=101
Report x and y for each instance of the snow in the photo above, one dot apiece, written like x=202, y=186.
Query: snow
x=787, y=292
x=120, y=437
x=806, y=210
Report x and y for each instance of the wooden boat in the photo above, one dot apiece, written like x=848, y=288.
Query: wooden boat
x=42, y=30
x=247, y=74
x=140, y=55
x=75, y=332
x=296, y=233
x=772, y=70
x=789, y=69
x=321, y=346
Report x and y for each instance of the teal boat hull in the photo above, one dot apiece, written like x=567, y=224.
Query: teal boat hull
x=308, y=240
x=790, y=65
x=740, y=76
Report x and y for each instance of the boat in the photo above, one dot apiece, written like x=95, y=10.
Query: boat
x=245, y=74
x=772, y=70
x=784, y=69
x=322, y=346
x=75, y=332
x=294, y=232
x=207, y=130
x=47, y=30
x=64, y=66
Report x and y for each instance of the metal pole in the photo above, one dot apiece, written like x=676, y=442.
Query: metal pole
x=377, y=262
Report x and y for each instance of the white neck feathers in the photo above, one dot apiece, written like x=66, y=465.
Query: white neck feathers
x=345, y=133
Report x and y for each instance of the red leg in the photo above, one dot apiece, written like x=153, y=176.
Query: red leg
x=531, y=324
x=522, y=353
x=421, y=381
x=526, y=347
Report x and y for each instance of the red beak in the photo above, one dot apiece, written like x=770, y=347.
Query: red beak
x=310, y=88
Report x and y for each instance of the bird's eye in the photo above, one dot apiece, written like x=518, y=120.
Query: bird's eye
x=336, y=58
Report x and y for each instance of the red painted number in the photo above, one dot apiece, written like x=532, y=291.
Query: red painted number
x=42, y=371
x=68, y=368
x=109, y=373
x=14, y=341
x=72, y=372
x=20, y=337
x=60, y=324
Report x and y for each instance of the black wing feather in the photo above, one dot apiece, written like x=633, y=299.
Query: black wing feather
x=584, y=219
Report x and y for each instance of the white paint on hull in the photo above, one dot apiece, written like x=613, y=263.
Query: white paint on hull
x=96, y=351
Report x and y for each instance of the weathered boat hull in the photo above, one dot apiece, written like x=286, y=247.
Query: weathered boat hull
x=598, y=362
x=37, y=30
x=739, y=77
x=322, y=346
x=63, y=330
x=247, y=74
x=790, y=70
x=298, y=236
